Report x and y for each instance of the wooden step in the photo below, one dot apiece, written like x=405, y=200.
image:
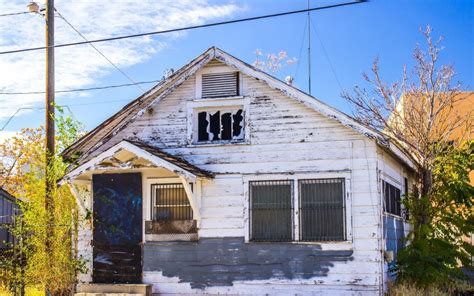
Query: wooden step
x=107, y=294
x=113, y=290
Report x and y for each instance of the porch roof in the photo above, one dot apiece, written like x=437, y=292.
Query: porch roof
x=172, y=159
x=129, y=154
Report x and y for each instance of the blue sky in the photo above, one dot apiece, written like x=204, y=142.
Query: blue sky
x=352, y=36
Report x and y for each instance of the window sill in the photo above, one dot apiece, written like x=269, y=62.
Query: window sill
x=221, y=143
x=171, y=228
x=329, y=245
x=217, y=99
x=393, y=216
x=185, y=237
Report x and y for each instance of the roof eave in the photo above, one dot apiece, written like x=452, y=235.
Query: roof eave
x=195, y=174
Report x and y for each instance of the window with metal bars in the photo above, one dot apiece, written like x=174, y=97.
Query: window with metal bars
x=392, y=201
x=218, y=85
x=170, y=203
x=271, y=210
x=322, y=210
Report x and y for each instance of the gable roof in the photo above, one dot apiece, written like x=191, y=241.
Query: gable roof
x=110, y=127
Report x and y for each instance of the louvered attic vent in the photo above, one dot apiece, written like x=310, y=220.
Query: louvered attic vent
x=218, y=85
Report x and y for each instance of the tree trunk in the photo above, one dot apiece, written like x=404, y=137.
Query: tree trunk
x=423, y=202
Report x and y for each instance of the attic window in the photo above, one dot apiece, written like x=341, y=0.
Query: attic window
x=220, y=125
x=218, y=85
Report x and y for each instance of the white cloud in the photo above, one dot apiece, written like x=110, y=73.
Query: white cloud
x=79, y=66
x=4, y=135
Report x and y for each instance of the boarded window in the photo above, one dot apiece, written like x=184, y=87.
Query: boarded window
x=322, y=210
x=170, y=203
x=218, y=85
x=220, y=125
x=271, y=210
x=392, y=202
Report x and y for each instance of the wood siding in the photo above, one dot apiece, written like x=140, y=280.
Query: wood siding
x=285, y=138
x=394, y=228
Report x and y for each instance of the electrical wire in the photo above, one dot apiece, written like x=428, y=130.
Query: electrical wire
x=67, y=106
x=183, y=28
x=98, y=51
x=16, y=13
x=98, y=102
x=327, y=57
x=147, y=34
x=16, y=112
x=7, y=122
x=81, y=89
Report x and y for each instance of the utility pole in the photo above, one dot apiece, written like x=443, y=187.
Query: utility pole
x=50, y=79
x=49, y=200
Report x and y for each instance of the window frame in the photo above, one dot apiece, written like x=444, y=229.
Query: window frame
x=292, y=208
x=323, y=181
x=149, y=178
x=217, y=104
x=223, y=110
x=345, y=244
x=397, y=186
x=153, y=205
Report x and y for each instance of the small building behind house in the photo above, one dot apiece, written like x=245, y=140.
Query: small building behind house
x=8, y=210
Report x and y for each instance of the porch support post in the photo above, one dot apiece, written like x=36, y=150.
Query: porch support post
x=192, y=199
x=77, y=195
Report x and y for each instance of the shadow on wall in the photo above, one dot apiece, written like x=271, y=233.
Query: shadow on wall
x=221, y=261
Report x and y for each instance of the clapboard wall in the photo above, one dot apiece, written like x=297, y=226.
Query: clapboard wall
x=395, y=228
x=285, y=138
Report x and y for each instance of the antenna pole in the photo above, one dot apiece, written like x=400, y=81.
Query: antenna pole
x=309, y=49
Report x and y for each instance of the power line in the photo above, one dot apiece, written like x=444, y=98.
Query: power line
x=98, y=102
x=15, y=13
x=98, y=51
x=81, y=89
x=185, y=28
x=7, y=122
x=16, y=112
x=67, y=106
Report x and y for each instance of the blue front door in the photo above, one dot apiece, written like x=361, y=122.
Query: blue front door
x=117, y=233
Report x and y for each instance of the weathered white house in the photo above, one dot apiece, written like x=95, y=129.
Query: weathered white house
x=224, y=179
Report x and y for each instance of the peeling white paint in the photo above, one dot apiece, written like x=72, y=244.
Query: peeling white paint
x=288, y=135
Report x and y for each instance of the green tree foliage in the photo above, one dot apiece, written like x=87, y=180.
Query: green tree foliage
x=436, y=248
x=24, y=163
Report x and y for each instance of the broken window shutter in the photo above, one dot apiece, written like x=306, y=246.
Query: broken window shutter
x=216, y=85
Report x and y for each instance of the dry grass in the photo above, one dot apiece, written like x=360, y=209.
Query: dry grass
x=409, y=290
x=455, y=288
x=29, y=291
